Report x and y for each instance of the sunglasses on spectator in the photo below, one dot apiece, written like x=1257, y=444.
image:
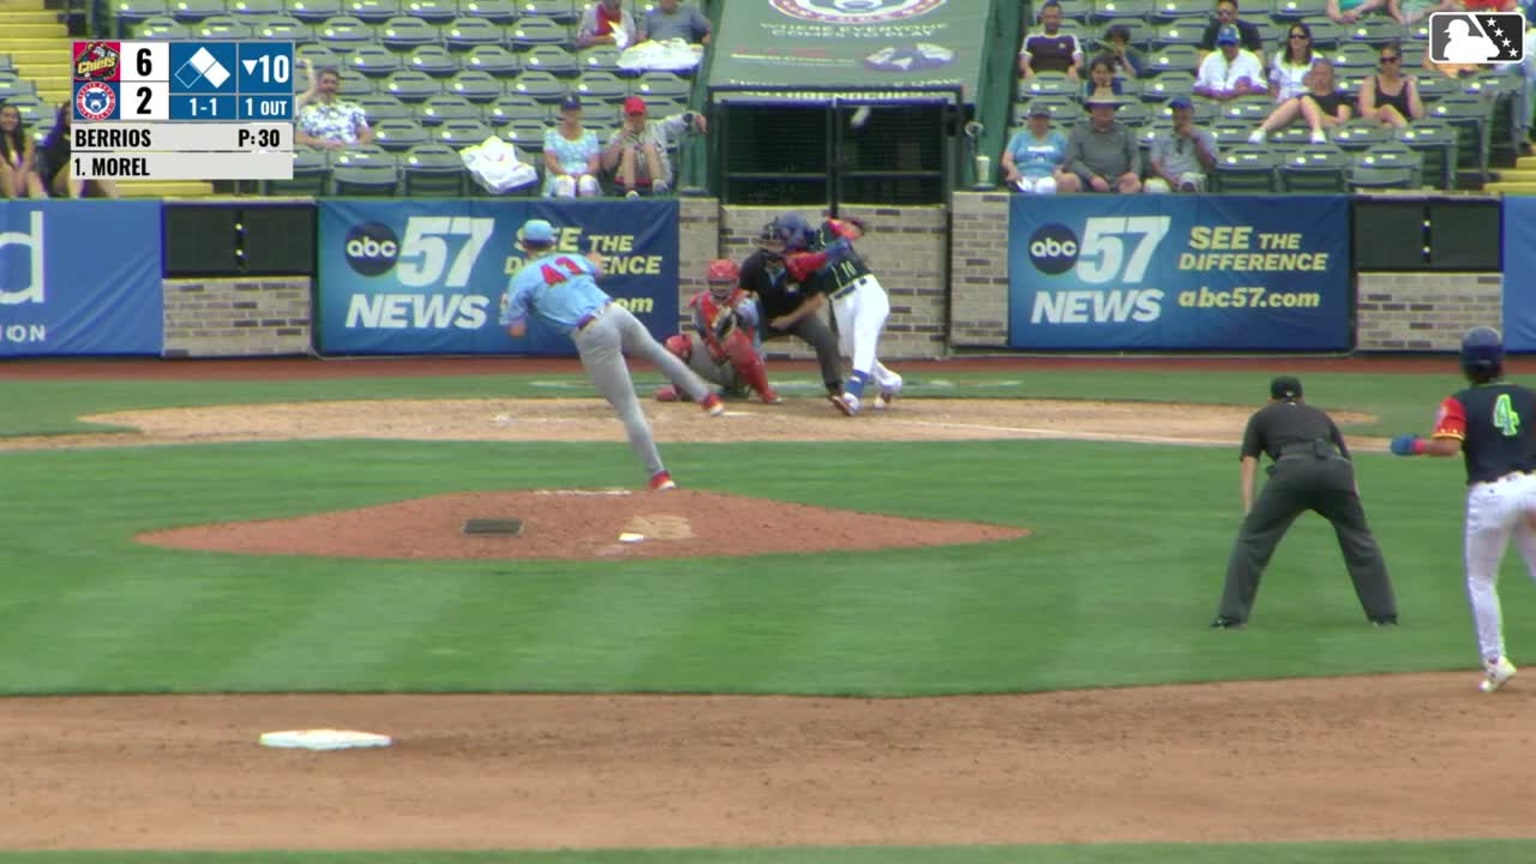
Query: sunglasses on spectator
x=1390, y=59
x=1300, y=36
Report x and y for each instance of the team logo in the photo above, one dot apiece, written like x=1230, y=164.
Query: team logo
x=96, y=101
x=1476, y=38
x=96, y=61
x=1053, y=249
x=372, y=249
x=856, y=11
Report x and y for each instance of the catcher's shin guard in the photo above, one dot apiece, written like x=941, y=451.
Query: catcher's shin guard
x=749, y=365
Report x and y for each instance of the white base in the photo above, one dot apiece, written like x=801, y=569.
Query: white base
x=324, y=739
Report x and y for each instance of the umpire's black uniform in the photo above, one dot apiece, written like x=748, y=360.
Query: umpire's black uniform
x=1311, y=471
x=763, y=274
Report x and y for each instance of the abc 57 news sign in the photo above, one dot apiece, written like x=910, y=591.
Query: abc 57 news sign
x=1100, y=272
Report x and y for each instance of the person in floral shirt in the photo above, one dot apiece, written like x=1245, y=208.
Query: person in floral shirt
x=325, y=120
x=571, y=155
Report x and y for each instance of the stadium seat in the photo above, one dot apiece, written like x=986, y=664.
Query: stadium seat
x=1374, y=30
x=1164, y=11
x=552, y=59
x=193, y=11
x=1230, y=134
x=663, y=85
x=1295, y=9
x=412, y=86
x=1413, y=54
x=1076, y=11
x=1249, y=109
x=383, y=106
x=1167, y=85
x=539, y=84
x=1184, y=32
x=1318, y=169
x=1472, y=119
x=360, y=180
x=603, y=58
x=1380, y=167
x=1246, y=169
x=493, y=59
x=314, y=12
x=1433, y=88
x=431, y=11
x=446, y=107
x=1437, y=143
x=529, y=136
x=1353, y=57
x=355, y=84
x=223, y=27
x=1173, y=58
x=1295, y=135
x=1326, y=35
x=402, y=33
x=435, y=60
x=257, y=7
x=375, y=61
x=1116, y=10
x=476, y=86
x=459, y=134
x=516, y=107
x=1134, y=114
x=162, y=28
x=283, y=28
x=1048, y=84
x=1360, y=135
x=7, y=64
x=597, y=114
x=398, y=136
x=602, y=86
x=311, y=175
x=560, y=11
x=465, y=33
x=499, y=11
x=13, y=86
x=532, y=31
x=343, y=33
x=375, y=11
x=433, y=170
x=129, y=14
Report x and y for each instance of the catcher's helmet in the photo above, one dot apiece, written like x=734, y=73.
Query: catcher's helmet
x=1482, y=352
x=722, y=271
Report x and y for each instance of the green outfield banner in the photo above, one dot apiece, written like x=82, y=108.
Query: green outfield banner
x=822, y=44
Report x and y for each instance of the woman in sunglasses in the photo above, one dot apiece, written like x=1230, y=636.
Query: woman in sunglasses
x=1389, y=96
x=1289, y=69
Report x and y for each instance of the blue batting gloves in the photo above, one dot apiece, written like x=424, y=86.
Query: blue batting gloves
x=1405, y=445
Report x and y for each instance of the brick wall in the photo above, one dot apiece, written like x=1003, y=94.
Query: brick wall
x=1424, y=311
x=978, y=315
x=247, y=317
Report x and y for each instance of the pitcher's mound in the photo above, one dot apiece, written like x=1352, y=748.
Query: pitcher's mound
x=576, y=523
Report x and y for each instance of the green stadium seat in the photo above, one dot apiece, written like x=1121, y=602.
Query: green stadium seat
x=162, y=28
x=1354, y=56
x=1187, y=31
x=375, y=61
x=1134, y=114
x=663, y=85
x=193, y=11
x=516, y=107
x=383, y=106
x=434, y=170
x=459, y=134
x=1360, y=135
x=476, y=86
x=343, y=33
x=403, y=33
x=1076, y=11
x=314, y=12
x=597, y=114
x=498, y=11
x=1168, y=85
x=1249, y=109
x=1326, y=35
x=560, y=11
x=1316, y=169
x=539, y=84
x=1271, y=33
x=603, y=58
x=1413, y=54
x=283, y=28
x=13, y=86
x=1246, y=169
x=1295, y=135
x=257, y=7
x=1229, y=134
x=602, y=86
x=1116, y=10
x=223, y=27
x=374, y=11
x=447, y=107
x=411, y=86
x=1375, y=168
x=463, y=33
x=552, y=59
x=1437, y=143
x=311, y=175
x=1374, y=30
x=7, y=64
x=529, y=136
x=1433, y=88
x=533, y=31
x=1047, y=84
x=355, y=84
x=1472, y=119
x=365, y=180
x=493, y=59
x=1179, y=10
x=431, y=11
x=1297, y=9
x=398, y=136
x=1173, y=58
x=129, y=14
x=435, y=60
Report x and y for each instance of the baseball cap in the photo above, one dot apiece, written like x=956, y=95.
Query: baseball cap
x=1039, y=109
x=634, y=105
x=1285, y=387
x=571, y=102
x=538, y=232
x=1180, y=102
x=1227, y=36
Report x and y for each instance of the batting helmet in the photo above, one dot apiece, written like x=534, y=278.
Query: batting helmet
x=722, y=271
x=792, y=229
x=1482, y=353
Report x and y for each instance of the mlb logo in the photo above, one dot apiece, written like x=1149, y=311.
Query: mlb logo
x=1476, y=38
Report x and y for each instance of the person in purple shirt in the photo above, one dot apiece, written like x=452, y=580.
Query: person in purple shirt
x=1051, y=49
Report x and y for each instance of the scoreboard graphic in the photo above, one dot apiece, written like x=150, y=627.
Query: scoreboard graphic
x=183, y=110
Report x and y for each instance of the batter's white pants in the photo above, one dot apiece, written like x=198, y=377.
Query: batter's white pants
x=861, y=316
x=1496, y=510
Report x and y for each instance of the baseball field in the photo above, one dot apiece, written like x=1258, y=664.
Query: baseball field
x=970, y=628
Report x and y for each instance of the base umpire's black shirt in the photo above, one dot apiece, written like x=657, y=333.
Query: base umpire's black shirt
x=1280, y=424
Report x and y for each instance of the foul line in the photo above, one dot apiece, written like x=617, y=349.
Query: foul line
x=1071, y=434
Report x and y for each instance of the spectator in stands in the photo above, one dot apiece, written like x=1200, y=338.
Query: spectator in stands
x=1390, y=96
x=1128, y=60
x=1231, y=72
x=1050, y=50
x=53, y=164
x=325, y=120
x=18, y=157
x=637, y=152
x=672, y=21
x=1227, y=16
x=1181, y=158
x=1101, y=78
x=1322, y=106
x=572, y=155
x=1410, y=12
x=606, y=22
x=1288, y=71
x=1103, y=153
x=1035, y=159
x=1350, y=11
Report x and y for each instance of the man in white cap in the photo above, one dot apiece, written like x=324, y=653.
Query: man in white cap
x=1232, y=71
x=561, y=290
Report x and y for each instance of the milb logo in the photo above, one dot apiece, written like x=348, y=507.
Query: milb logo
x=372, y=249
x=1476, y=38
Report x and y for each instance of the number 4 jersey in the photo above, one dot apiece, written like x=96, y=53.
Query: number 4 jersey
x=1494, y=424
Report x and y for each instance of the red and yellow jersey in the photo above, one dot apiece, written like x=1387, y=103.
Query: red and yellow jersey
x=1496, y=425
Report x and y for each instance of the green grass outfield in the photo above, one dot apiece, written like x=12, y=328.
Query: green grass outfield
x=1112, y=571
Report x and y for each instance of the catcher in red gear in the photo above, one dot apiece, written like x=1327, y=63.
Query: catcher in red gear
x=723, y=347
